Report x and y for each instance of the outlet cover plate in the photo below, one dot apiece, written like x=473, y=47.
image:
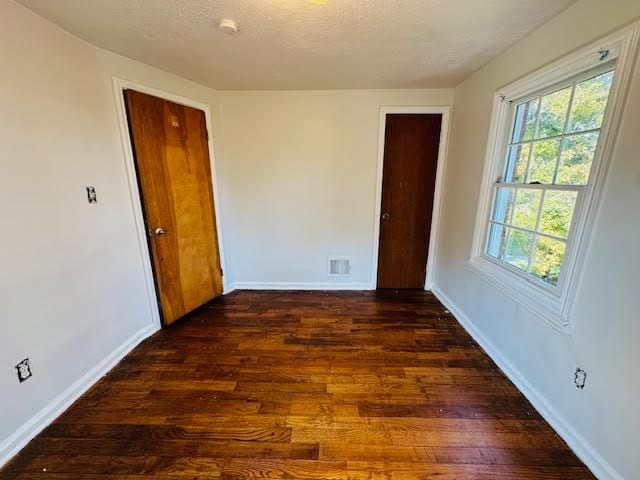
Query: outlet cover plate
x=580, y=378
x=24, y=370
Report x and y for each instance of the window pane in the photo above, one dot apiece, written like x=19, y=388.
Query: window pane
x=576, y=158
x=553, y=113
x=503, y=205
x=525, y=121
x=518, y=248
x=589, y=103
x=549, y=157
x=543, y=161
x=557, y=211
x=517, y=163
x=547, y=260
x=527, y=205
x=497, y=239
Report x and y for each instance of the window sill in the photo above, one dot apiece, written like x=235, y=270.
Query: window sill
x=537, y=299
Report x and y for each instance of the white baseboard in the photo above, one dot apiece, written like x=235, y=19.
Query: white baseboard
x=581, y=447
x=301, y=286
x=19, y=439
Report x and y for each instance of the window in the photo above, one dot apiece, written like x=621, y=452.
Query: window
x=550, y=141
x=549, y=154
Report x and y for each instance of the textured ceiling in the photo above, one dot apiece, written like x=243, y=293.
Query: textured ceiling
x=291, y=44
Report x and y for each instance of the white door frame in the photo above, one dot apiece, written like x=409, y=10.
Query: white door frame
x=445, y=111
x=119, y=86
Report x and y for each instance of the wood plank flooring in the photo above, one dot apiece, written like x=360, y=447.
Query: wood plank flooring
x=304, y=385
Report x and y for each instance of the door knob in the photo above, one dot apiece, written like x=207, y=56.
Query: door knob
x=386, y=216
x=159, y=231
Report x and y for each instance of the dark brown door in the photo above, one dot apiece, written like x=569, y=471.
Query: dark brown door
x=408, y=186
x=172, y=161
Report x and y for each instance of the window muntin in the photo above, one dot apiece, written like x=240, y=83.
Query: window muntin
x=552, y=142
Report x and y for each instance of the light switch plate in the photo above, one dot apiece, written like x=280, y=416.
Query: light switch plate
x=91, y=195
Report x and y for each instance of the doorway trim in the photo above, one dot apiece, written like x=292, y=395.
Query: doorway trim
x=119, y=86
x=445, y=111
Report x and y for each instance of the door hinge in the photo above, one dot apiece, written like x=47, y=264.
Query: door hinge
x=221, y=272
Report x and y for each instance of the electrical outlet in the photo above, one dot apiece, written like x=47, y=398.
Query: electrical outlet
x=580, y=378
x=24, y=370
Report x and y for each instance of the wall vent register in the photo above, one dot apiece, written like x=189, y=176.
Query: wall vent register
x=339, y=266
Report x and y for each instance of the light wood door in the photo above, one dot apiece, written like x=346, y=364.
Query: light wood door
x=174, y=174
x=408, y=187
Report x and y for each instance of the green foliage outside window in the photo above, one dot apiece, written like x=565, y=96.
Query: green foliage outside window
x=554, y=141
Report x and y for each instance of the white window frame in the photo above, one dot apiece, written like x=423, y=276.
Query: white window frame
x=554, y=304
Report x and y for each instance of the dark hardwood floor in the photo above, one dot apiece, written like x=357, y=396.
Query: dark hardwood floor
x=307, y=385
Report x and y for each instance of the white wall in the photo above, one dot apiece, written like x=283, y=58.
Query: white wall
x=71, y=282
x=299, y=172
x=607, y=320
